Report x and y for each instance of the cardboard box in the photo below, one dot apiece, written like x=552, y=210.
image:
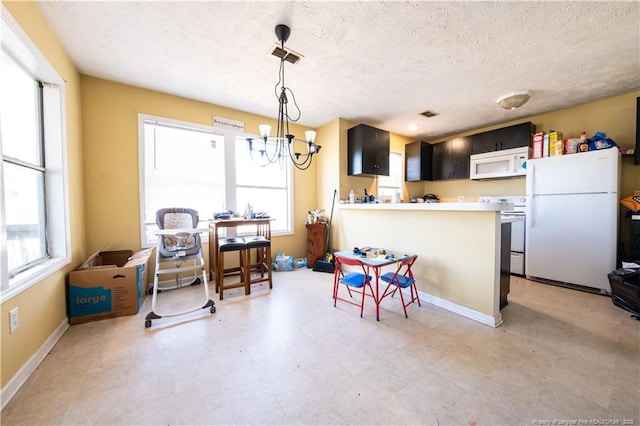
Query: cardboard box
x=537, y=144
x=556, y=143
x=555, y=136
x=556, y=148
x=545, y=145
x=108, y=284
x=571, y=145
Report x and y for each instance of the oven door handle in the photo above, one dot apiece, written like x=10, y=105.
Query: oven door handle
x=518, y=216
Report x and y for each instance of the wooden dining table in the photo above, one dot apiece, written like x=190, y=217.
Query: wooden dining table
x=375, y=264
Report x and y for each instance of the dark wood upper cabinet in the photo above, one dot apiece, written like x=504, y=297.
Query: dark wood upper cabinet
x=367, y=151
x=418, y=157
x=460, y=152
x=515, y=136
x=484, y=142
x=441, y=169
x=451, y=159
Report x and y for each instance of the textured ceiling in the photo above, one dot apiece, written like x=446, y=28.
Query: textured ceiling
x=380, y=63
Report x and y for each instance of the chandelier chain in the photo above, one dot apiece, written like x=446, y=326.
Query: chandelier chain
x=272, y=149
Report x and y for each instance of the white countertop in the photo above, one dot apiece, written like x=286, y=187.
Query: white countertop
x=463, y=207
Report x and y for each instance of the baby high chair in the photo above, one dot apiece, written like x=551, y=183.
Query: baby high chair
x=179, y=243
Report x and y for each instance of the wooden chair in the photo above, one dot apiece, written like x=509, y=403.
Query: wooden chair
x=261, y=242
x=227, y=245
x=262, y=264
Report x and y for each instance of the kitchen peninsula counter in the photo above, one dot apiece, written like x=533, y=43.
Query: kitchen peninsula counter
x=458, y=207
x=458, y=247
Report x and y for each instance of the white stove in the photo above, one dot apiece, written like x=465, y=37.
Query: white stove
x=517, y=212
x=519, y=201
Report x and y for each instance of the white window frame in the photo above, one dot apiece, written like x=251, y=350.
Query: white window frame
x=230, y=201
x=381, y=179
x=16, y=43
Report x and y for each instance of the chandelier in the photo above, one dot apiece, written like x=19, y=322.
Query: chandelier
x=284, y=145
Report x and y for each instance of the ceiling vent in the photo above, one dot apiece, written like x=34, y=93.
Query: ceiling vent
x=428, y=113
x=288, y=55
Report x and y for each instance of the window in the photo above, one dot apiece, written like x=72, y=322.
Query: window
x=266, y=188
x=391, y=186
x=207, y=169
x=23, y=166
x=33, y=204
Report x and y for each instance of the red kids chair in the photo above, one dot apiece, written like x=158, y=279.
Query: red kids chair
x=355, y=281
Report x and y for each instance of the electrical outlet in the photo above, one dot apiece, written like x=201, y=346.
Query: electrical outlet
x=461, y=198
x=13, y=319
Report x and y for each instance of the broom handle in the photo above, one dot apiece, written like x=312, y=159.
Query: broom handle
x=326, y=242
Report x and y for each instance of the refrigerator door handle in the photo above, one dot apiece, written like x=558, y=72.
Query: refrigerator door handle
x=533, y=211
x=531, y=185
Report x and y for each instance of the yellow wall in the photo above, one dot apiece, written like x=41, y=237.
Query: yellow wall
x=110, y=111
x=43, y=306
x=328, y=178
x=359, y=183
x=616, y=116
x=457, y=256
x=102, y=166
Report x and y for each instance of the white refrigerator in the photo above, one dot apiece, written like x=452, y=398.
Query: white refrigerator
x=572, y=218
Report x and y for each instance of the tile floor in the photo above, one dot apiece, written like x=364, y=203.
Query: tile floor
x=287, y=356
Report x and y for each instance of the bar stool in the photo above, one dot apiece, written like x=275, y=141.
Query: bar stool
x=263, y=260
x=230, y=245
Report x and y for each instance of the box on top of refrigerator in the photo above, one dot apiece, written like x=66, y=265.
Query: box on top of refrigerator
x=537, y=143
x=555, y=136
x=556, y=143
x=556, y=148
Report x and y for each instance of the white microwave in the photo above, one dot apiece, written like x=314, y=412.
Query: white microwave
x=507, y=163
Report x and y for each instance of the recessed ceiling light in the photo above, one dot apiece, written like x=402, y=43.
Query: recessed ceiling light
x=413, y=127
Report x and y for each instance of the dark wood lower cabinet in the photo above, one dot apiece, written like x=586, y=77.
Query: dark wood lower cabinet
x=505, y=263
x=316, y=237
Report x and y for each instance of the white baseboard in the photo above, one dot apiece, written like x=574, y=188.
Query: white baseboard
x=16, y=382
x=462, y=310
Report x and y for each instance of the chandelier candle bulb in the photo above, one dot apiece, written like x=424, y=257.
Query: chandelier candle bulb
x=265, y=130
x=310, y=135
